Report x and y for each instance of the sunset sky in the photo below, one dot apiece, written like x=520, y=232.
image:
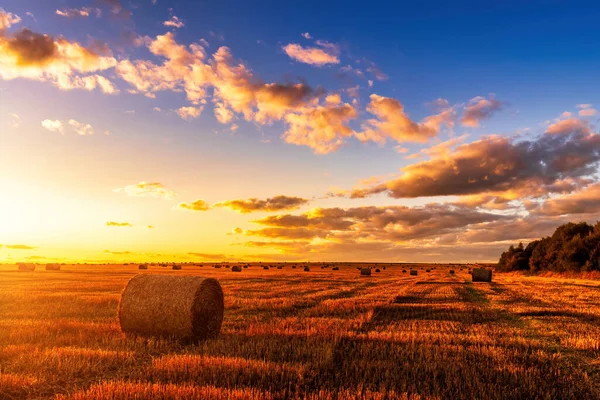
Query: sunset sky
x=155, y=130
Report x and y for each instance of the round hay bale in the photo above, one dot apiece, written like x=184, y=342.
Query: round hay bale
x=335, y=268
x=176, y=267
x=414, y=272
x=245, y=266
x=265, y=267
x=52, y=267
x=280, y=267
x=293, y=267
x=427, y=270
x=142, y=266
x=451, y=272
x=187, y=308
x=28, y=267
x=481, y=275
x=306, y=269
x=377, y=270
x=403, y=271
x=217, y=266
x=365, y=271
x=236, y=268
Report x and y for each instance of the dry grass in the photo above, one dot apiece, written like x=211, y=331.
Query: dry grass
x=327, y=334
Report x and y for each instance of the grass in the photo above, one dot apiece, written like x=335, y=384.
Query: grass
x=315, y=335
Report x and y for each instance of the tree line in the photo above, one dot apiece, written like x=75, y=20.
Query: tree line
x=572, y=248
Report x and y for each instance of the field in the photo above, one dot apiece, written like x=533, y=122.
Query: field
x=321, y=334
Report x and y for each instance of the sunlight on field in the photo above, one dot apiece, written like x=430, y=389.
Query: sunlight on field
x=321, y=334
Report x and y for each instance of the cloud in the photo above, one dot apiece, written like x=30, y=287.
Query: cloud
x=19, y=247
x=67, y=65
x=147, y=189
x=81, y=129
x=568, y=150
x=118, y=224
x=587, y=110
x=306, y=35
x=277, y=203
x=198, y=205
x=327, y=54
x=174, y=22
x=189, y=113
x=118, y=252
x=322, y=128
x=8, y=19
x=586, y=201
x=83, y=12
x=53, y=125
x=150, y=227
x=392, y=122
x=211, y=256
x=15, y=121
x=478, y=109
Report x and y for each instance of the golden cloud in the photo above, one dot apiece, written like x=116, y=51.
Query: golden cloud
x=198, y=205
x=319, y=57
x=478, y=109
x=277, y=203
x=147, y=189
x=118, y=224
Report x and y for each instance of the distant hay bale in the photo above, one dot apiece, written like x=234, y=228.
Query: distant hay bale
x=384, y=268
x=293, y=267
x=403, y=271
x=217, y=266
x=377, y=270
x=265, y=267
x=26, y=267
x=335, y=268
x=144, y=266
x=482, y=275
x=280, y=267
x=365, y=271
x=236, y=268
x=451, y=272
x=413, y=272
x=245, y=266
x=176, y=267
x=427, y=270
x=52, y=267
x=306, y=269
x=188, y=308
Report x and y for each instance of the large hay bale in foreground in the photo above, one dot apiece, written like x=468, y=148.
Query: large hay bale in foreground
x=413, y=272
x=365, y=271
x=26, y=266
x=236, y=268
x=188, y=308
x=482, y=275
x=52, y=267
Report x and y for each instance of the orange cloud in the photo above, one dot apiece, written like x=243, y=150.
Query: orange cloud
x=8, y=19
x=189, y=113
x=174, y=22
x=568, y=150
x=277, y=203
x=198, y=205
x=586, y=201
x=478, y=109
x=327, y=54
x=147, y=189
x=118, y=224
x=31, y=55
x=393, y=123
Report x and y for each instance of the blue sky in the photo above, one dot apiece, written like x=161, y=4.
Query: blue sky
x=525, y=69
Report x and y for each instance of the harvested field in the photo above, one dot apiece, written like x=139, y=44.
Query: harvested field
x=327, y=334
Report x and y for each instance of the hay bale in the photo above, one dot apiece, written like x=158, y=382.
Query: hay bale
x=335, y=268
x=414, y=272
x=176, y=267
x=451, y=272
x=403, y=271
x=293, y=267
x=245, y=266
x=365, y=271
x=28, y=267
x=280, y=267
x=52, y=267
x=427, y=270
x=377, y=270
x=236, y=268
x=265, y=267
x=482, y=275
x=306, y=269
x=143, y=266
x=188, y=308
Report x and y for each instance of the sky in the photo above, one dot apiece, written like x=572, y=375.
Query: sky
x=202, y=131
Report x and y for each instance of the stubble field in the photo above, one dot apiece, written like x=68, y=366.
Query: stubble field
x=321, y=334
